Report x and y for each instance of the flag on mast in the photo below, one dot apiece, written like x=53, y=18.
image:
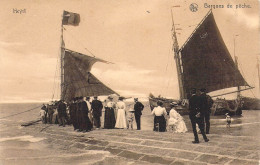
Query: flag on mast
x=70, y=18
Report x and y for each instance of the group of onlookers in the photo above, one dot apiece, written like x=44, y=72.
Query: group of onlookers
x=85, y=115
x=199, y=114
x=116, y=115
x=175, y=122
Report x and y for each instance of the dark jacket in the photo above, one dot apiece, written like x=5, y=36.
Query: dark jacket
x=84, y=108
x=194, y=105
x=62, y=109
x=203, y=104
x=138, y=107
x=97, y=107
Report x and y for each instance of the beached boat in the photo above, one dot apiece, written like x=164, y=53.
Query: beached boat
x=205, y=62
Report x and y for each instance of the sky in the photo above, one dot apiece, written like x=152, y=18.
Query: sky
x=133, y=34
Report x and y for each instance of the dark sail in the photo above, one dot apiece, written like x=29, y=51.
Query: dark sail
x=78, y=81
x=206, y=61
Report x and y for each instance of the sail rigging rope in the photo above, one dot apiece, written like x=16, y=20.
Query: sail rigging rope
x=21, y=112
x=243, y=75
x=79, y=42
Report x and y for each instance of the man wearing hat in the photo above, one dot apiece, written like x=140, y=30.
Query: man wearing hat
x=96, y=107
x=138, y=107
x=196, y=116
x=206, y=103
x=73, y=117
x=62, y=112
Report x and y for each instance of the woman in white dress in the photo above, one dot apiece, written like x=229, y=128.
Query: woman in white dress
x=159, y=113
x=176, y=120
x=121, y=118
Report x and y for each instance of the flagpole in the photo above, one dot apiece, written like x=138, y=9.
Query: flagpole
x=61, y=60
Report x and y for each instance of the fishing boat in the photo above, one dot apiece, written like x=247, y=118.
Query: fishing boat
x=203, y=61
x=76, y=77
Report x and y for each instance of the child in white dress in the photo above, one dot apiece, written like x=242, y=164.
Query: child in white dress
x=130, y=118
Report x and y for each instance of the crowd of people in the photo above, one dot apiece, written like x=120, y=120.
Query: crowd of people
x=199, y=114
x=85, y=115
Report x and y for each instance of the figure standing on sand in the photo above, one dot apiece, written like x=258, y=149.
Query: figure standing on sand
x=61, y=113
x=90, y=113
x=42, y=115
x=110, y=121
x=85, y=124
x=138, y=107
x=206, y=103
x=96, y=107
x=73, y=116
x=121, y=118
x=130, y=118
x=196, y=115
x=176, y=121
x=159, y=113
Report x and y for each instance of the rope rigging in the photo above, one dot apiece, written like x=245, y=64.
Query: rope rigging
x=21, y=112
x=79, y=42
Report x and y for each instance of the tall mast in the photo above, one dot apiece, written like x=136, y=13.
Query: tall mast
x=177, y=59
x=61, y=60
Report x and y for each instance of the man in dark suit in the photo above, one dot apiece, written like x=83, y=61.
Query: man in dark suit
x=196, y=116
x=97, y=107
x=205, y=105
x=62, y=112
x=138, y=107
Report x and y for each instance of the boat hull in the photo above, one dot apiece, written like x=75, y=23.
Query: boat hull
x=220, y=107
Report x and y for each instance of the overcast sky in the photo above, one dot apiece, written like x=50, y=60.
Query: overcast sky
x=133, y=34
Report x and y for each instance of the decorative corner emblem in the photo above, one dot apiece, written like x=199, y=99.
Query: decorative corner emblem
x=194, y=7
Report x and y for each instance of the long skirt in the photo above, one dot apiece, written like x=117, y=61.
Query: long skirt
x=110, y=120
x=121, y=120
x=159, y=124
x=85, y=124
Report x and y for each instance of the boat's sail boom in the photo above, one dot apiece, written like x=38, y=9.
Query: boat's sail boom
x=78, y=81
x=206, y=61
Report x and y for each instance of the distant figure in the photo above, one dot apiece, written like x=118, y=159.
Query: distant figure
x=130, y=118
x=96, y=107
x=196, y=116
x=85, y=124
x=176, y=121
x=42, y=115
x=228, y=119
x=45, y=114
x=90, y=113
x=121, y=118
x=159, y=117
x=206, y=103
x=110, y=121
x=72, y=111
x=61, y=113
x=78, y=114
x=138, y=107
x=50, y=110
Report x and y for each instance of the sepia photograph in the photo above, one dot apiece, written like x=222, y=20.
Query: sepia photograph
x=117, y=82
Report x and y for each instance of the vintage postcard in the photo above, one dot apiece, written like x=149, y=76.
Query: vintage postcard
x=129, y=82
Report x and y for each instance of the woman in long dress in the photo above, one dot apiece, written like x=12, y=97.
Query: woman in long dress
x=159, y=113
x=121, y=118
x=109, y=122
x=176, y=120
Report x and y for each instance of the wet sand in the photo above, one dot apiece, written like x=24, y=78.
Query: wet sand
x=51, y=144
